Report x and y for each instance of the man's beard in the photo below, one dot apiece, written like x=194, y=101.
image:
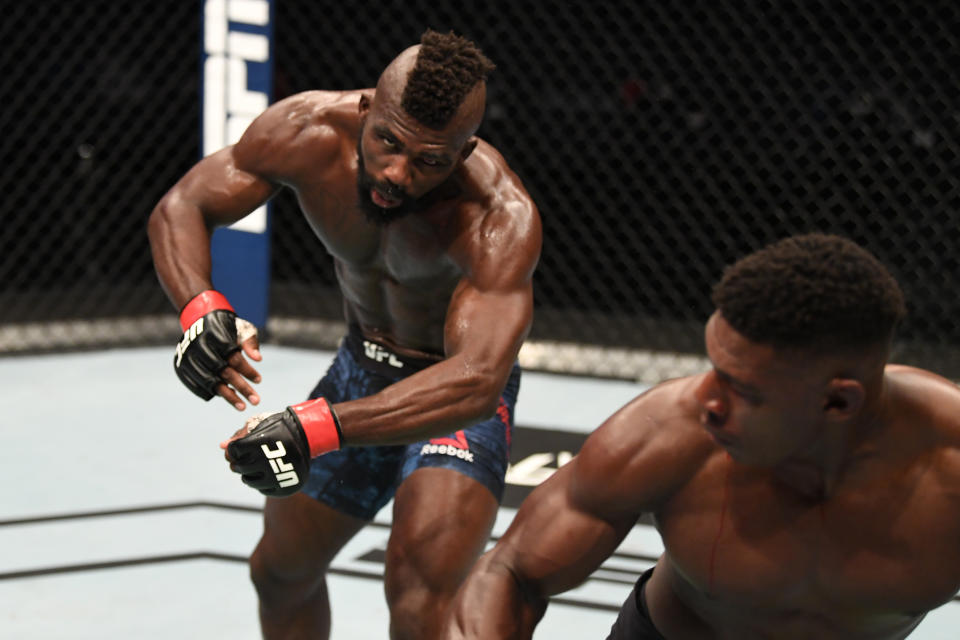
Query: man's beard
x=373, y=213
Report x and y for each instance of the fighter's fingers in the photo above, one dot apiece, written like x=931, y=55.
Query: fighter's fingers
x=238, y=363
x=239, y=433
x=240, y=385
x=226, y=453
x=228, y=394
x=248, y=339
x=251, y=422
x=252, y=349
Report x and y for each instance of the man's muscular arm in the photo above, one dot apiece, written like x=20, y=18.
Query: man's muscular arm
x=563, y=532
x=553, y=544
x=576, y=519
x=219, y=190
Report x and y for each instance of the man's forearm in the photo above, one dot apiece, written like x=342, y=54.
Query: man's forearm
x=492, y=605
x=180, y=245
x=433, y=402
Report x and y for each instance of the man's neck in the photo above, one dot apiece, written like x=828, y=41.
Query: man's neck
x=815, y=471
x=806, y=478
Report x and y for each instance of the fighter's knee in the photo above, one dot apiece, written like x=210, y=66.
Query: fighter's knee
x=413, y=569
x=264, y=577
x=278, y=580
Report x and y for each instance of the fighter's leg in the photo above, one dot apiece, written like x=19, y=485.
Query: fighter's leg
x=288, y=567
x=444, y=510
x=441, y=523
x=303, y=533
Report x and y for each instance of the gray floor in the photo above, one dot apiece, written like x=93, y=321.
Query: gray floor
x=119, y=518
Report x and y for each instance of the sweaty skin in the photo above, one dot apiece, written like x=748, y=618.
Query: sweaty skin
x=861, y=551
x=452, y=280
x=448, y=278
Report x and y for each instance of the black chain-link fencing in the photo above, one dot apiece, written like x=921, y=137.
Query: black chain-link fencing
x=99, y=116
x=661, y=141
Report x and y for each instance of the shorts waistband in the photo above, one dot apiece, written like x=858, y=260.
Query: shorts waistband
x=378, y=358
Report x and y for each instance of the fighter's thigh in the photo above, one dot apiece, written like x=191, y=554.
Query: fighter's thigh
x=301, y=536
x=441, y=523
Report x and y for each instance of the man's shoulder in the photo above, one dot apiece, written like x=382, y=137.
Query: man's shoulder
x=496, y=196
x=921, y=389
x=651, y=446
x=665, y=414
x=924, y=411
x=498, y=230
x=299, y=133
x=317, y=112
x=927, y=423
x=490, y=182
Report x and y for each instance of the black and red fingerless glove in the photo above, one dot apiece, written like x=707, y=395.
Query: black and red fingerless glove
x=274, y=457
x=209, y=326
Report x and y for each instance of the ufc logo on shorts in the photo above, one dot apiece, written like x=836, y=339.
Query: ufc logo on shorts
x=286, y=476
x=379, y=354
x=188, y=336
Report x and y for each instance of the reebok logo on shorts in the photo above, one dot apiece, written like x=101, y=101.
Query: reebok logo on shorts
x=456, y=447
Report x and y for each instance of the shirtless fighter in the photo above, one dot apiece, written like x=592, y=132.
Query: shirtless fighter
x=803, y=488
x=435, y=242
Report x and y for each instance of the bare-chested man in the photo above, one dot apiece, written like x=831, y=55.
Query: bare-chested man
x=435, y=241
x=803, y=488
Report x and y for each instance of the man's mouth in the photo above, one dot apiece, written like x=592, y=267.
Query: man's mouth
x=716, y=431
x=383, y=200
x=722, y=439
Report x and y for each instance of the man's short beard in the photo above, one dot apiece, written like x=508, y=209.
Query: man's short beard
x=373, y=213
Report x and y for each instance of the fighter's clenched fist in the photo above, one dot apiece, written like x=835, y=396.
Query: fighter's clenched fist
x=272, y=452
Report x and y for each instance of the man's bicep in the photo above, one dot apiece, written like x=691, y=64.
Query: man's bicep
x=234, y=181
x=556, y=540
x=220, y=190
x=495, y=293
x=488, y=326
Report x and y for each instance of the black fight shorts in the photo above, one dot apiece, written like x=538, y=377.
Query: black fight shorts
x=359, y=481
x=634, y=621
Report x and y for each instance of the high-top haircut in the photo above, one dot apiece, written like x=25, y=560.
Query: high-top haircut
x=812, y=291
x=446, y=69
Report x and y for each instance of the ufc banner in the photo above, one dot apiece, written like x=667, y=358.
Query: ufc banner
x=236, y=79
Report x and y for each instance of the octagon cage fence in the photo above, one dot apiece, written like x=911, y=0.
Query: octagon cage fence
x=660, y=140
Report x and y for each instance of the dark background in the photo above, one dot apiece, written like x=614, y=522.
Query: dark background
x=661, y=141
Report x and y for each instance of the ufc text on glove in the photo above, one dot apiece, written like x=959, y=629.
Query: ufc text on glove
x=274, y=456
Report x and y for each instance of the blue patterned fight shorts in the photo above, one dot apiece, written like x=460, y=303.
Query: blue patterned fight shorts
x=358, y=481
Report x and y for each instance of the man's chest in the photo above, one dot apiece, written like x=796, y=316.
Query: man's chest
x=408, y=251
x=890, y=546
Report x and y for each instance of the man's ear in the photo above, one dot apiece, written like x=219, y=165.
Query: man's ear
x=364, y=106
x=843, y=398
x=468, y=148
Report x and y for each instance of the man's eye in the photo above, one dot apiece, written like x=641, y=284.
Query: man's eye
x=388, y=141
x=751, y=398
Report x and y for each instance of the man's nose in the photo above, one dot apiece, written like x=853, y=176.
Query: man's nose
x=397, y=171
x=711, y=398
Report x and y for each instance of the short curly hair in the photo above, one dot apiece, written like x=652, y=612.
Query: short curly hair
x=447, y=67
x=811, y=291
